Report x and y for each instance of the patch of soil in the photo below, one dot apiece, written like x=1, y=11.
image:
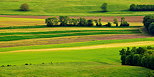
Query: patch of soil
x=71, y=39
x=104, y=18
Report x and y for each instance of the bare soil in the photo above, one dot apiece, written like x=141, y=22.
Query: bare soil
x=104, y=18
x=70, y=39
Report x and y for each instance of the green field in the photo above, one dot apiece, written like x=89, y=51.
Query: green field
x=88, y=58
x=28, y=48
x=72, y=7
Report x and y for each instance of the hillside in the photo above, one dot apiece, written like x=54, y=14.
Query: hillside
x=72, y=7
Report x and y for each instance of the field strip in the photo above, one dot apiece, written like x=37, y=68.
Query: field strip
x=143, y=43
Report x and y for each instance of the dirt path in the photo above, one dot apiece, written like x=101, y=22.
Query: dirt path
x=70, y=39
x=91, y=47
x=105, y=19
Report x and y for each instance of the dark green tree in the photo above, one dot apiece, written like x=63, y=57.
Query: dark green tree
x=115, y=21
x=104, y=7
x=24, y=7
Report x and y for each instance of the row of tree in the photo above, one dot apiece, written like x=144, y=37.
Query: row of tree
x=138, y=56
x=134, y=7
x=148, y=22
x=67, y=21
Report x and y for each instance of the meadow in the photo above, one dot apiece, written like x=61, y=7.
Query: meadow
x=91, y=52
x=73, y=7
x=28, y=48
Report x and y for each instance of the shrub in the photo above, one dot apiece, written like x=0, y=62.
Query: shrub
x=24, y=7
x=104, y=7
x=151, y=28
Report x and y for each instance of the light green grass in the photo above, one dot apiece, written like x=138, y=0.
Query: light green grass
x=72, y=7
x=83, y=63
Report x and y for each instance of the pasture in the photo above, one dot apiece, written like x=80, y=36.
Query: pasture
x=73, y=7
x=69, y=51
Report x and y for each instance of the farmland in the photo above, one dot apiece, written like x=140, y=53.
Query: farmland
x=29, y=47
x=73, y=8
x=79, y=51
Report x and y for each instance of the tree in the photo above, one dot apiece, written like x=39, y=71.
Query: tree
x=82, y=22
x=104, y=7
x=24, y=7
x=100, y=22
x=151, y=28
x=64, y=20
x=147, y=20
x=51, y=21
x=115, y=21
x=108, y=24
x=123, y=22
x=90, y=23
x=132, y=7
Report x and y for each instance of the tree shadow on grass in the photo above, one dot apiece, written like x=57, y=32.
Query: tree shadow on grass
x=97, y=12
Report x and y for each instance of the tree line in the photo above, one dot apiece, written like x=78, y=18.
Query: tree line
x=134, y=7
x=141, y=56
x=148, y=22
x=82, y=22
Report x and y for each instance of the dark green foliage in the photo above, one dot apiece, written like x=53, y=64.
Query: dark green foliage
x=151, y=28
x=98, y=22
x=134, y=7
x=115, y=21
x=64, y=20
x=147, y=20
x=138, y=57
x=24, y=7
x=108, y=24
x=82, y=22
x=104, y=7
x=124, y=23
x=51, y=21
x=150, y=74
x=90, y=22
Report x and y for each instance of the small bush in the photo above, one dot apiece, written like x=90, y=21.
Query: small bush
x=24, y=7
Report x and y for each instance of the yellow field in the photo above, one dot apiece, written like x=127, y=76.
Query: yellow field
x=6, y=22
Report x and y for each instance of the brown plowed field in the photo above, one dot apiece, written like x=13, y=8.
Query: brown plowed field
x=70, y=39
x=105, y=19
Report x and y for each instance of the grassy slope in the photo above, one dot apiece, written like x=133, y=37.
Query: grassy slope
x=85, y=63
x=72, y=7
x=75, y=63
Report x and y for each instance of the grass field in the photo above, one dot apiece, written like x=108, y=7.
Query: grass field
x=30, y=49
x=72, y=7
x=78, y=52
